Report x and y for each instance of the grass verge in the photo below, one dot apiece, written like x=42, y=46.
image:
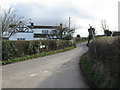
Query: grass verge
x=92, y=78
x=9, y=61
x=77, y=42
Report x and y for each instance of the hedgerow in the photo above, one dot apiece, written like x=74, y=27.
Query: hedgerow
x=27, y=57
x=16, y=49
x=105, y=60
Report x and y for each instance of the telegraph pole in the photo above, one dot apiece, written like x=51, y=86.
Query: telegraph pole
x=69, y=23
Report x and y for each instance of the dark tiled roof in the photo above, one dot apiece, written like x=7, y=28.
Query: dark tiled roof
x=40, y=27
x=44, y=27
x=40, y=35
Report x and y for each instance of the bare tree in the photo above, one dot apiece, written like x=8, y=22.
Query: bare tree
x=103, y=24
x=7, y=17
x=63, y=33
x=105, y=28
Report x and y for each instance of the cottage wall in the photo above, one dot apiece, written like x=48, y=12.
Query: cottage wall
x=22, y=35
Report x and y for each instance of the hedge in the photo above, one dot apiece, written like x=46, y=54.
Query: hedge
x=28, y=57
x=16, y=49
x=106, y=60
x=93, y=79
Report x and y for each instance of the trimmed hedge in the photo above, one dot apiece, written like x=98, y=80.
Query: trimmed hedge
x=34, y=56
x=16, y=49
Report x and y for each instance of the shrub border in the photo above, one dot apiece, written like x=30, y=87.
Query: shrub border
x=27, y=57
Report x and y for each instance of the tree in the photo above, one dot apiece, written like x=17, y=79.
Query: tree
x=107, y=32
x=105, y=28
x=66, y=33
x=104, y=24
x=7, y=17
x=63, y=33
x=78, y=36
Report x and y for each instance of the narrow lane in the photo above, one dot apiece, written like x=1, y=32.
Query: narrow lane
x=53, y=71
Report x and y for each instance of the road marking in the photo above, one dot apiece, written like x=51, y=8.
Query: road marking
x=45, y=71
x=65, y=61
x=32, y=75
x=17, y=77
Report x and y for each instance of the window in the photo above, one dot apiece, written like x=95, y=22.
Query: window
x=44, y=31
x=20, y=38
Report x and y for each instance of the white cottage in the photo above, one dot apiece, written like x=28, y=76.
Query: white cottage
x=44, y=32
x=31, y=32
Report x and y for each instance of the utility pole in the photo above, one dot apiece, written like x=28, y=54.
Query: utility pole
x=69, y=23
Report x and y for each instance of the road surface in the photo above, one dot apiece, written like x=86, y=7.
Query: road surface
x=54, y=71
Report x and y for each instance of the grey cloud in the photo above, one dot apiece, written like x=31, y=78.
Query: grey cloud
x=49, y=15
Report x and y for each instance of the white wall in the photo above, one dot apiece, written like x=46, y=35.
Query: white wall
x=40, y=30
x=27, y=36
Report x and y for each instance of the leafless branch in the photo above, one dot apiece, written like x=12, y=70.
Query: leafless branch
x=7, y=17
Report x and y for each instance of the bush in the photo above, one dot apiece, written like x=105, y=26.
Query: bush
x=4, y=62
x=105, y=60
x=15, y=49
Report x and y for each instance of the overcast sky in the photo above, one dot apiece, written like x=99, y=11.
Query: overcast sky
x=54, y=12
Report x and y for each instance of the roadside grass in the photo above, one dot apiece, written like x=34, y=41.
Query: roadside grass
x=97, y=38
x=77, y=42
x=94, y=79
x=105, y=37
x=27, y=57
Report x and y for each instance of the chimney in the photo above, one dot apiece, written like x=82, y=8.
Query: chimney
x=20, y=21
x=32, y=24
